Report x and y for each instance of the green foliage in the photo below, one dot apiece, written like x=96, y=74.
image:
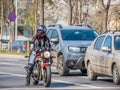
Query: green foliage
x=49, y=1
x=30, y=20
x=12, y=53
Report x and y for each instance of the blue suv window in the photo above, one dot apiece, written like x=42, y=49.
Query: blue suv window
x=49, y=33
x=71, y=34
x=54, y=34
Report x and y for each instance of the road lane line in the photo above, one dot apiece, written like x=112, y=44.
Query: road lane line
x=68, y=82
x=61, y=88
x=16, y=64
x=12, y=74
x=50, y=88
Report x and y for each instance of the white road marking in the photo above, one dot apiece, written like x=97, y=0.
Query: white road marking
x=12, y=74
x=50, y=88
x=77, y=85
x=62, y=88
x=16, y=64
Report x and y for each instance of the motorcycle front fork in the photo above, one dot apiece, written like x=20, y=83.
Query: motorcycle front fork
x=42, y=68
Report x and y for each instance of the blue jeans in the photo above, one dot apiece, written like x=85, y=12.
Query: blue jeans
x=32, y=59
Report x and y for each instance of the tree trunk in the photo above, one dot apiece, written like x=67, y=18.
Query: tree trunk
x=1, y=31
x=42, y=12
x=80, y=11
x=70, y=12
x=106, y=10
x=36, y=5
x=13, y=27
x=105, y=20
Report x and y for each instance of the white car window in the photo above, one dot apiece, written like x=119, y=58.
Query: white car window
x=108, y=42
x=99, y=42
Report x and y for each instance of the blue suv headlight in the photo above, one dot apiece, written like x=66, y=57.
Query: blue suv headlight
x=74, y=49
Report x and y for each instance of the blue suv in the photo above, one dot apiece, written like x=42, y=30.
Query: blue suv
x=69, y=44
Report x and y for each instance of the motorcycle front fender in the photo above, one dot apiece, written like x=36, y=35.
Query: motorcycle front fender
x=45, y=64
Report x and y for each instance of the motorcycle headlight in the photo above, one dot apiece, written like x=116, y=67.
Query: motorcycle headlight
x=74, y=49
x=46, y=54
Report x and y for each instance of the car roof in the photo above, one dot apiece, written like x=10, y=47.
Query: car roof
x=20, y=40
x=111, y=32
x=78, y=27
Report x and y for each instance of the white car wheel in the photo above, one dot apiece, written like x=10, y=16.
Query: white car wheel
x=116, y=76
x=90, y=73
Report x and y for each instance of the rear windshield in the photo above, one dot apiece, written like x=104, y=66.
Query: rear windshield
x=19, y=43
x=4, y=41
x=88, y=35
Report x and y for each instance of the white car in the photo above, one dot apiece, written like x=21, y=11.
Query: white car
x=103, y=57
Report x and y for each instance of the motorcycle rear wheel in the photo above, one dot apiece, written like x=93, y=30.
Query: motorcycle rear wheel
x=47, y=76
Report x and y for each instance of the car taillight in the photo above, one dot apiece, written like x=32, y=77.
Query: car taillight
x=24, y=46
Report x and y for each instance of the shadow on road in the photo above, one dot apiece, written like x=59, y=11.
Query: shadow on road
x=60, y=84
x=72, y=74
x=106, y=79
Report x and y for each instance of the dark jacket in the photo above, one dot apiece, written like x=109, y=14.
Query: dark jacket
x=39, y=43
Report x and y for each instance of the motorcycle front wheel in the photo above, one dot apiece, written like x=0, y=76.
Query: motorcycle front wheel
x=47, y=76
x=35, y=75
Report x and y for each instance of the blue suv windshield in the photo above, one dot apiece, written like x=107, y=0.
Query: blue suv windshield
x=71, y=34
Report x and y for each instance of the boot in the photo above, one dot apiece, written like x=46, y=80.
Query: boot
x=29, y=69
x=27, y=81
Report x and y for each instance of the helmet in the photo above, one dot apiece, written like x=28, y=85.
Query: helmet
x=41, y=30
x=41, y=27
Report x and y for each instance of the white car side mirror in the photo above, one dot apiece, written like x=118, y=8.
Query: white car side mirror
x=106, y=49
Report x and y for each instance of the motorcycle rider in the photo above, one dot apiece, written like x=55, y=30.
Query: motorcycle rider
x=40, y=40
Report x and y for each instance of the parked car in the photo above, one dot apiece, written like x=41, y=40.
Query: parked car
x=69, y=44
x=19, y=46
x=4, y=44
x=103, y=57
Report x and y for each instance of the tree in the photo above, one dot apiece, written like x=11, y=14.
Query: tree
x=4, y=10
x=1, y=4
x=105, y=6
x=70, y=12
x=76, y=14
x=114, y=17
x=42, y=12
x=56, y=13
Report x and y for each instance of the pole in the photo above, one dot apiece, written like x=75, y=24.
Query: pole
x=1, y=25
x=16, y=22
x=35, y=17
x=42, y=12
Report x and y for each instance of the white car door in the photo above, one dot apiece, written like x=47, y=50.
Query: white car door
x=97, y=54
x=108, y=56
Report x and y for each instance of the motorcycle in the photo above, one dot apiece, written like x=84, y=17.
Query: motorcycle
x=42, y=68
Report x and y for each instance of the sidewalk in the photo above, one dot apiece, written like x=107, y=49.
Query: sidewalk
x=11, y=56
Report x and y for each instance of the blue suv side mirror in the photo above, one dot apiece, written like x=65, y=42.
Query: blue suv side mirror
x=54, y=40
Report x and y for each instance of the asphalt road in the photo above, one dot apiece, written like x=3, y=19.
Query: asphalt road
x=12, y=77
